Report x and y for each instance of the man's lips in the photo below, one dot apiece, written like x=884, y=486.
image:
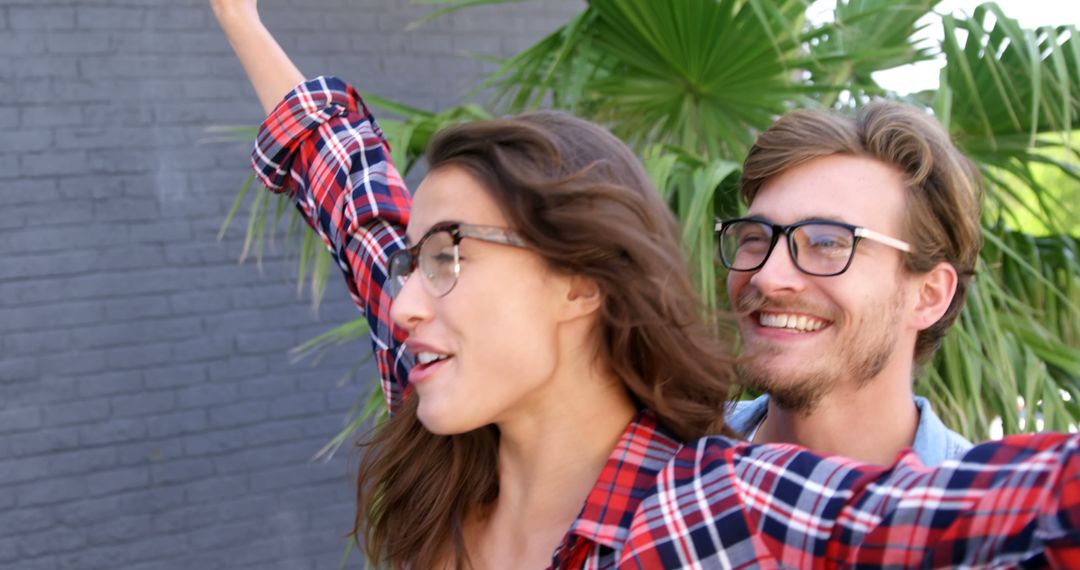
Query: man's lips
x=789, y=320
x=783, y=324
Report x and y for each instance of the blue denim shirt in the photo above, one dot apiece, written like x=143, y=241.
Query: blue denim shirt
x=934, y=443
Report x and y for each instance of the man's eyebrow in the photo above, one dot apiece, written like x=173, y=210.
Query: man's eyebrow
x=810, y=218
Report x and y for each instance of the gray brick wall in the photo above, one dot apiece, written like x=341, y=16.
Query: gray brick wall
x=149, y=415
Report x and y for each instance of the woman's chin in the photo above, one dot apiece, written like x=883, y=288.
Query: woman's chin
x=442, y=420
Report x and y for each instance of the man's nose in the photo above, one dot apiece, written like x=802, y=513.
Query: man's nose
x=779, y=274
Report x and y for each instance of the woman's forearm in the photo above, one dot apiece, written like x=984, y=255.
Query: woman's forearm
x=268, y=67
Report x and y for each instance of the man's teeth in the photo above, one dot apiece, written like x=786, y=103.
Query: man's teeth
x=429, y=357
x=794, y=322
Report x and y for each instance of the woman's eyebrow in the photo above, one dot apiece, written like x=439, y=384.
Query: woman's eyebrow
x=410, y=241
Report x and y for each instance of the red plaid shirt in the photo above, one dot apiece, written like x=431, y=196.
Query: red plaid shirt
x=726, y=504
x=323, y=147
x=713, y=503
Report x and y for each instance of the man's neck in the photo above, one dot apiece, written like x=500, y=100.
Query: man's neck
x=871, y=424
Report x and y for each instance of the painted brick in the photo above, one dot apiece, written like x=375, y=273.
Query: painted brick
x=216, y=489
x=148, y=452
x=27, y=140
x=185, y=470
x=73, y=363
x=50, y=491
x=43, y=441
x=79, y=412
x=109, y=482
x=166, y=425
x=297, y=405
x=115, y=431
x=37, y=342
x=95, y=18
x=25, y=520
x=177, y=521
x=145, y=404
x=83, y=461
x=90, y=511
x=102, y=557
x=158, y=548
x=9, y=550
x=154, y=501
x=178, y=18
x=213, y=443
x=144, y=380
x=38, y=544
x=110, y=383
x=12, y=369
x=203, y=395
x=174, y=375
x=16, y=470
x=50, y=18
x=77, y=43
x=19, y=419
x=238, y=414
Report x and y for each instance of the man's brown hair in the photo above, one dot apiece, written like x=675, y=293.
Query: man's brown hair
x=944, y=190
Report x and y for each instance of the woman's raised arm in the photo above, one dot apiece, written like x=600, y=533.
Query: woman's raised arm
x=268, y=67
x=321, y=145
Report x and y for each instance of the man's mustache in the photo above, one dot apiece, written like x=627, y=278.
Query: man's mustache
x=752, y=300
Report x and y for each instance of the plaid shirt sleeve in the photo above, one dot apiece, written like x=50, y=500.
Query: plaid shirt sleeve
x=323, y=147
x=722, y=504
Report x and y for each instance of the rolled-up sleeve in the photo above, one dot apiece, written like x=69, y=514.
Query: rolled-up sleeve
x=322, y=146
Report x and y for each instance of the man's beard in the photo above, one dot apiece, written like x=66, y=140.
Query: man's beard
x=860, y=355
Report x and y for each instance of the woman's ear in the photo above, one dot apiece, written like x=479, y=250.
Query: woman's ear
x=936, y=289
x=583, y=297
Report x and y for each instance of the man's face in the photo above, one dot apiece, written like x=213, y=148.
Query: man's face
x=805, y=336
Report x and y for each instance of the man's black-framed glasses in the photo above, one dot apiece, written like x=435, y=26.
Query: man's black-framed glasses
x=817, y=247
x=438, y=257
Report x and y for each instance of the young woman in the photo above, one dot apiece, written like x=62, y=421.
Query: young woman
x=564, y=378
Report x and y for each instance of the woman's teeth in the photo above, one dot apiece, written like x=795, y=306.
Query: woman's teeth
x=429, y=357
x=800, y=323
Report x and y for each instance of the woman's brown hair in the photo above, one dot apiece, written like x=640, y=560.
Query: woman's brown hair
x=581, y=200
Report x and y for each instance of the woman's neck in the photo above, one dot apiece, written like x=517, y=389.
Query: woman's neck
x=549, y=460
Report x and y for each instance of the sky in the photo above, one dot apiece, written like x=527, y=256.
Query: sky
x=924, y=75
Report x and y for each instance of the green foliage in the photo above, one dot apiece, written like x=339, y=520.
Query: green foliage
x=689, y=84
x=1008, y=97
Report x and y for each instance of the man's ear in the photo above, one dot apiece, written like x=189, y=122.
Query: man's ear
x=583, y=297
x=935, y=292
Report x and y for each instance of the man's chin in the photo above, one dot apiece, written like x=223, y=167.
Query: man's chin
x=796, y=390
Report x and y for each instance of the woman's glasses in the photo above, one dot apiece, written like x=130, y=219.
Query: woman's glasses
x=438, y=258
x=818, y=248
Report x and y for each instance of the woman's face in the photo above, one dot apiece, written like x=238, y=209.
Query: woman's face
x=496, y=332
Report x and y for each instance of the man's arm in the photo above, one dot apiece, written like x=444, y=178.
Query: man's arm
x=268, y=67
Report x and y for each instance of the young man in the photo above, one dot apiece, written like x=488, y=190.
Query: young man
x=853, y=259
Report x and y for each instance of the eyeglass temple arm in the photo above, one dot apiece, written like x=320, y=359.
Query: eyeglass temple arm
x=883, y=239
x=492, y=234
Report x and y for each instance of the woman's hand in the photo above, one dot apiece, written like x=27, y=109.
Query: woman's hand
x=234, y=8
x=268, y=67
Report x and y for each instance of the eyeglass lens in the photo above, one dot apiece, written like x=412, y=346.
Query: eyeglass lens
x=817, y=248
x=436, y=260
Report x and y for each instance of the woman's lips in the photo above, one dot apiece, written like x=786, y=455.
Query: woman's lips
x=423, y=372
